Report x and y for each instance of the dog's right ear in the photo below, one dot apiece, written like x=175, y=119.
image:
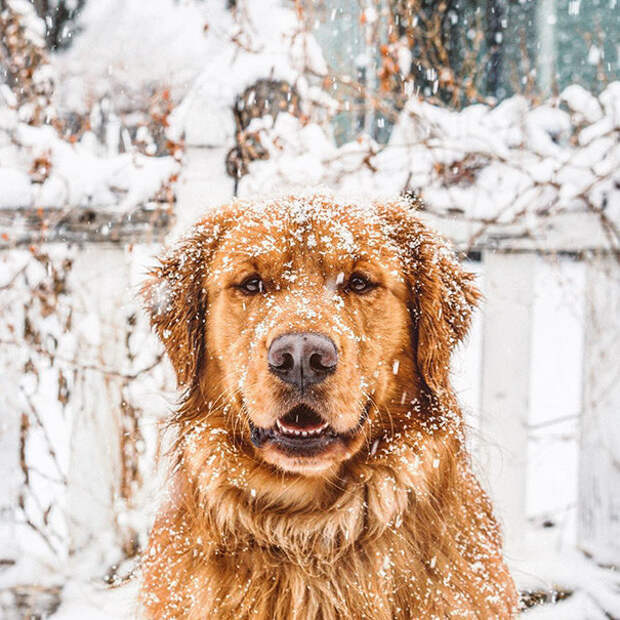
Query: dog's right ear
x=443, y=294
x=175, y=298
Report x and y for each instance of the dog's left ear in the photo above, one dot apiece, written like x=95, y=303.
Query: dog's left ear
x=443, y=294
x=176, y=299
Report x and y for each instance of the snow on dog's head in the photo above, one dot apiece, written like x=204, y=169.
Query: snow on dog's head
x=312, y=329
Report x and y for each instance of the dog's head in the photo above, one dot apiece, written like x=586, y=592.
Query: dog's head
x=308, y=328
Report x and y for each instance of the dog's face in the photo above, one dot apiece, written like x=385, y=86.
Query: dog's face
x=309, y=327
x=307, y=320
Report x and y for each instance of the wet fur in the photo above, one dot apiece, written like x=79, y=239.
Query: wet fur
x=400, y=529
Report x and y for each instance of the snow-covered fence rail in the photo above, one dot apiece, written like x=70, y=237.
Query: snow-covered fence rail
x=82, y=377
x=24, y=226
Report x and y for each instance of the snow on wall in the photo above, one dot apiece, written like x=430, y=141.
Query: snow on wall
x=75, y=174
x=499, y=163
x=184, y=50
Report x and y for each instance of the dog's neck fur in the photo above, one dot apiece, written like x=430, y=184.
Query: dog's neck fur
x=350, y=547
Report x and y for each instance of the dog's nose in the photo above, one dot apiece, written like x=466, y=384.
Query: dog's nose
x=302, y=358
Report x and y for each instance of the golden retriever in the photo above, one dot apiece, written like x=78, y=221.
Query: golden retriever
x=320, y=469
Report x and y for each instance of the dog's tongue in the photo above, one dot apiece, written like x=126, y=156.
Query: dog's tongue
x=302, y=418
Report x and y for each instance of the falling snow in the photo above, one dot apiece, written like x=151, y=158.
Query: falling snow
x=164, y=106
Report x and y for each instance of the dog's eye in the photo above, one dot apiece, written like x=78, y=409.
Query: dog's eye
x=359, y=283
x=252, y=285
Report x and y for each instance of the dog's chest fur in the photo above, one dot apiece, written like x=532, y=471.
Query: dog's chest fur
x=365, y=555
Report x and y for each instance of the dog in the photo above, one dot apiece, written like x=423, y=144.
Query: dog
x=320, y=470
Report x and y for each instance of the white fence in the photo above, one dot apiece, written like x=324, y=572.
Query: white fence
x=548, y=411
x=542, y=360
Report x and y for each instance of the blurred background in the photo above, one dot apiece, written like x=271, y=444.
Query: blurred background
x=121, y=122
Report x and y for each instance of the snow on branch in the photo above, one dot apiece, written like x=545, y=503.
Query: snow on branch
x=55, y=158
x=516, y=162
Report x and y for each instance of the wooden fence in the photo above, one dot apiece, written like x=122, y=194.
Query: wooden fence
x=510, y=257
x=98, y=480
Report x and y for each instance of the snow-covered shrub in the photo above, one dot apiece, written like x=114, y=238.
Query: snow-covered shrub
x=503, y=164
x=55, y=157
x=29, y=79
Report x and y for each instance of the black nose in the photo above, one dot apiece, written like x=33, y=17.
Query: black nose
x=302, y=358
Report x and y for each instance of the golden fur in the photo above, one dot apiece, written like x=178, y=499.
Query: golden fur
x=388, y=524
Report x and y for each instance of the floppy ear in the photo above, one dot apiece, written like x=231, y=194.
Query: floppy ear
x=446, y=297
x=176, y=298
x=443, y=294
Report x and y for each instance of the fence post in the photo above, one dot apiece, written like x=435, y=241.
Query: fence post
x=204, y=184
x=505, y=391
x=99, y=279
x=10, y=473
x=599, y=457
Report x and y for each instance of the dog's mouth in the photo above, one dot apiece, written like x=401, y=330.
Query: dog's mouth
x=302, y=431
